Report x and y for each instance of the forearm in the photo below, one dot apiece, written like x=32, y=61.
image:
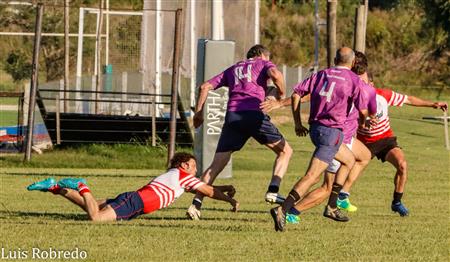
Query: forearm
x=278, y=80
x=296, y=108
x=218, y=194
x=415, y=101
x=203, y=95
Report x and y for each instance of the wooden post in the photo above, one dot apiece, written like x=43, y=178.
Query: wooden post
x=447, y=144
x=331, y=31
x=58, y=123
x=66, y=53
x=34, y=79
x=358, y=41
x=366, y=14
x=99, y=53
x=175, y=80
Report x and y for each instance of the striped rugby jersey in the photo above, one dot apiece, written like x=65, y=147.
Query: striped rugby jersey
x=166, y=188
x=382, y=129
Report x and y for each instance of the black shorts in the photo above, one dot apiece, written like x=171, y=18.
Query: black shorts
x=127, y=205
x=240, y=126
x=382, y=147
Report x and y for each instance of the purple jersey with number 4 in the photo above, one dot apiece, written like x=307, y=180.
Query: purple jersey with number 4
x=333, y=91
x=247, y=83
x=351, y=124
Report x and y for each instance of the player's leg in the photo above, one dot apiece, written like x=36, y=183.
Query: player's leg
x=283, y=153
x=347, y=159
x=315, y=168
x=220, y=160
x=91, y=206
x=397, y=158
x=362, y=156
x=318, y=195
x=231, y=139
x=265, y=132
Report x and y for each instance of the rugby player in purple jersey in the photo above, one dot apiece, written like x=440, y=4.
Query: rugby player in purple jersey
x=333, y=91
x=247, y=83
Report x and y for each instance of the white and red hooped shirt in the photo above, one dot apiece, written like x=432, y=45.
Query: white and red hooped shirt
x=385, y=98
x=166, y=188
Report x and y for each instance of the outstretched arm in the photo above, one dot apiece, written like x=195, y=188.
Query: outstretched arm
x=415, y=101
x=198, y=117
x=271, y=104
x=217, y=192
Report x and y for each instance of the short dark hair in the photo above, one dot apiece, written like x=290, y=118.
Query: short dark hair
x=257, y=50
x=179, y=158
x=361, y=64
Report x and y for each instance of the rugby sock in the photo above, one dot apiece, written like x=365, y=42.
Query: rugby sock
x=55, y=189
x=273, y=188
x=290, y=201
x=294, y=211
x=197, y=203
x=334, y=195
x=343, y=195
x=82, y=188
x=397, y=197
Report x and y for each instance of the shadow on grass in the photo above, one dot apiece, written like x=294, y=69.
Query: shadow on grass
x=57, y=216
x=45, y=174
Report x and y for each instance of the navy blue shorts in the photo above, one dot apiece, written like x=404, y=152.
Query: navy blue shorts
x=127, y=205
x=327, y=141
x=240, y=126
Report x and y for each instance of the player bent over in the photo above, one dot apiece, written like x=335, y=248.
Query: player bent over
x=157, y=194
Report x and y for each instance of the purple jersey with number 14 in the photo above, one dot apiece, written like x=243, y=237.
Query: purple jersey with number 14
x=247, y=83
x=333, y=91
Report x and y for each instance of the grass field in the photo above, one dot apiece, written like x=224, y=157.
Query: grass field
x=34, y=219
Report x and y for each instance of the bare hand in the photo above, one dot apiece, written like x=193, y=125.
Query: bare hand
x=300, y=130
x=198, y=119
x=269, y=104
x=235, y=205
x=370, y=122
x=442, y=105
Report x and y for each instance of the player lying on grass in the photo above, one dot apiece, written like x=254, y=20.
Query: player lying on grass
x=157, y=194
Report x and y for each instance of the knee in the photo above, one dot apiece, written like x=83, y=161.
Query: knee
x=350, y=163
x=94, y=218
x=286, y=151
x=402, y=167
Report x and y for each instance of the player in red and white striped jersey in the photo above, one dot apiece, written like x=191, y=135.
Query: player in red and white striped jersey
x=380, y=140
x=157, y=194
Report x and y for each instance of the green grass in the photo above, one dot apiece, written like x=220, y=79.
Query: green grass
x=34, y=219
x=8, y=118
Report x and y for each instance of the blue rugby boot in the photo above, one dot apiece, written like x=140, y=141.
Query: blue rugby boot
x=400, y=208
x=44, y=185
x=71, y=183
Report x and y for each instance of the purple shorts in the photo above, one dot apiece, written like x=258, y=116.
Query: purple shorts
x=241, y=125
x=327, y=141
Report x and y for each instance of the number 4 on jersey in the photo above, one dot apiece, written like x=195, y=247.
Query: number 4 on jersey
x=239, y=74
x=328, y=93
